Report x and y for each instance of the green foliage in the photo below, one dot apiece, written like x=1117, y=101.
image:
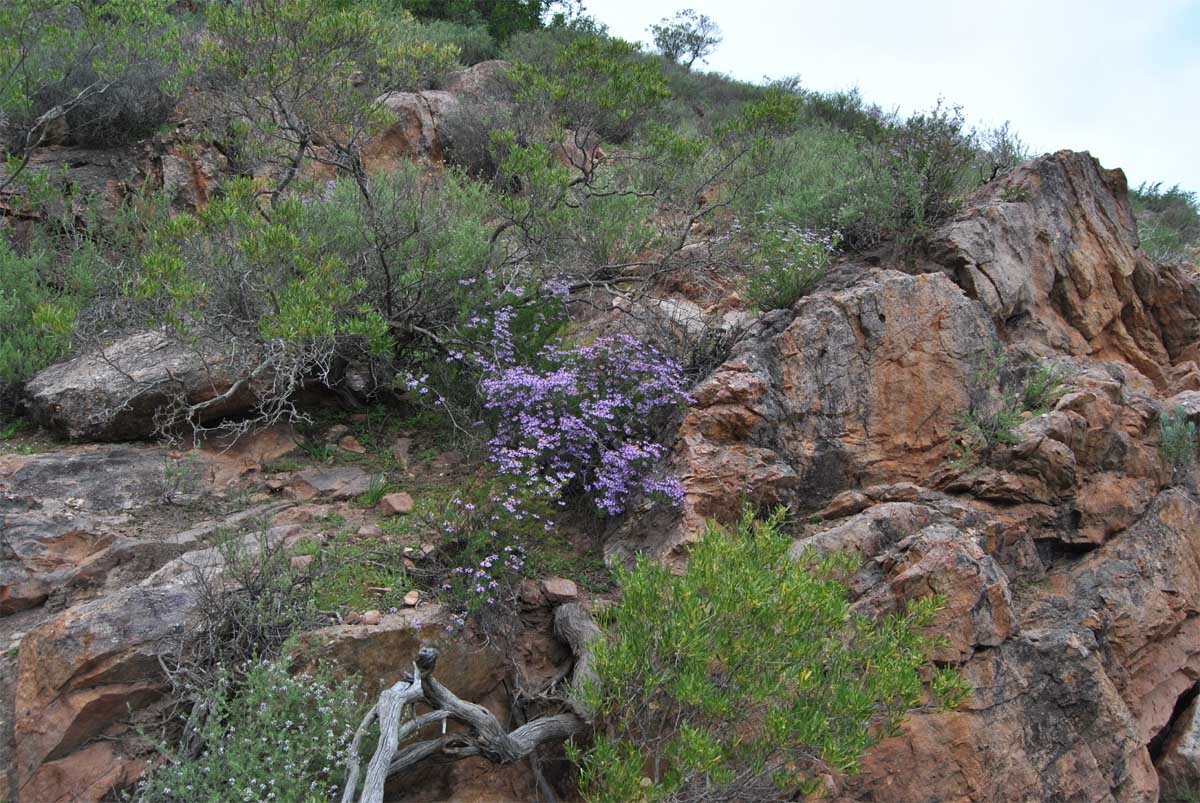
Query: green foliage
x=789, y=261
x=1178, y=439
x=36, y=317
x=595, y=84
x=271, y=736
x=290, y=74
x=1000, y=399
x=108, y=69
x=1168, y=222
x=747, y=676
x=1043, y=387
x=473, y=42
x=263, y=279
x=686, y=38
x=354, y=575
x=502, y=18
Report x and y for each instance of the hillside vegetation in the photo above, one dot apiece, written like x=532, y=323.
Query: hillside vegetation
x=454, y=223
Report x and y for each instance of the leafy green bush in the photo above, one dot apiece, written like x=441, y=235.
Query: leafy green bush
x=269, y=737
x=473, y=42
x=790, y=260
x=108, y=70
x=35, y=319
x=1043, y=386
x=1168, y=222
x=1178, y=439
x=748, y=676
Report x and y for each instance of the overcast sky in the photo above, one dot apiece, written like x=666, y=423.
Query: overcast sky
x=1119, y=78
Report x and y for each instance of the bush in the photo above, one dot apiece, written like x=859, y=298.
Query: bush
x=473, y=42
x=790, y=260
x=269, y=737
x=110, y=70
x=748, y=676
x=1168, y=222
x=1178, y=440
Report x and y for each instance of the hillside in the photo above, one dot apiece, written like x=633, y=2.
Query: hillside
x=455, y=402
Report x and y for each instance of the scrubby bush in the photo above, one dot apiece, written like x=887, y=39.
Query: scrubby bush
x=473, y=42
x=95, y=73
x=302, y=79
x=264, y=735
x=1177, y=443
x=788, y=263
x=748, y=676
x=1168, y=222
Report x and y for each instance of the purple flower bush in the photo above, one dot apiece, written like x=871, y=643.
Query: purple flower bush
x=790, y=260
x=588, y=417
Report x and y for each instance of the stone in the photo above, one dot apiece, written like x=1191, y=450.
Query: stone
x=369, y=531
x=115, y=395
x=412, y=598
x=336, y=432
x=301, y=561
x=395, y=504
x=371, y=617
x=1178, y=764
x=1065, y=264
x=349, y=443
x=78, y=673
x=345, y=482
x=400, y=452
x=560, y=589
x=858, y=386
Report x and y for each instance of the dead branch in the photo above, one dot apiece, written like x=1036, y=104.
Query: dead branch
x=484, y=734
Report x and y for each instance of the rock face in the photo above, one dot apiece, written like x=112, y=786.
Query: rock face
x=115, y=394
x=1069, y=564
x=1059, y=264
x=78, y=676
x=858, y=386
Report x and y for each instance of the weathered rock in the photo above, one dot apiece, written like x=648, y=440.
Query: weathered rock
x=349, y=443
x=395, y=504
x=115, y=394
x=859, y=386
x=345, y=482
x=560, y=589
x=1062, y=270
x=79, y=674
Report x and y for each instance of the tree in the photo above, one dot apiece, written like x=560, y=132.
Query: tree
x=687, y=37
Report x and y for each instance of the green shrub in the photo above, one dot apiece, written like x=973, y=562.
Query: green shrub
x=270, y=736
x=748, y=676
x=1043, y=386
x=790, y=260
x=108, y=69
x=1168, y=222
x=1178, y=439
x=40, y=299
x=473, y=42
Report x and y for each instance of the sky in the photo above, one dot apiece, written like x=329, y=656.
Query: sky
x=1117, y=78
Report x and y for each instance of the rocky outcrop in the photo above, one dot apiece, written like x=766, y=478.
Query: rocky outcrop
x=1052, y=252
x=1069, y=565
x=80, y=674
x=116, y=393
x=858, y=386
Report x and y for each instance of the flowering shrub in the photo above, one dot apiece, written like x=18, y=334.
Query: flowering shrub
x=486, y=532
x=273, y=738
x=789, y=262
x=588, y=417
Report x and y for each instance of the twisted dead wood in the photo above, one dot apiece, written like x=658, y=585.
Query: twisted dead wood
x=485, y=736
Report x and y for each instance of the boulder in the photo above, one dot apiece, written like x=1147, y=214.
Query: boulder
x=394, y=504
x=1051, y=251
x=345, y=482
x=858, y=386
x=117, y=393
x=79, y=674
